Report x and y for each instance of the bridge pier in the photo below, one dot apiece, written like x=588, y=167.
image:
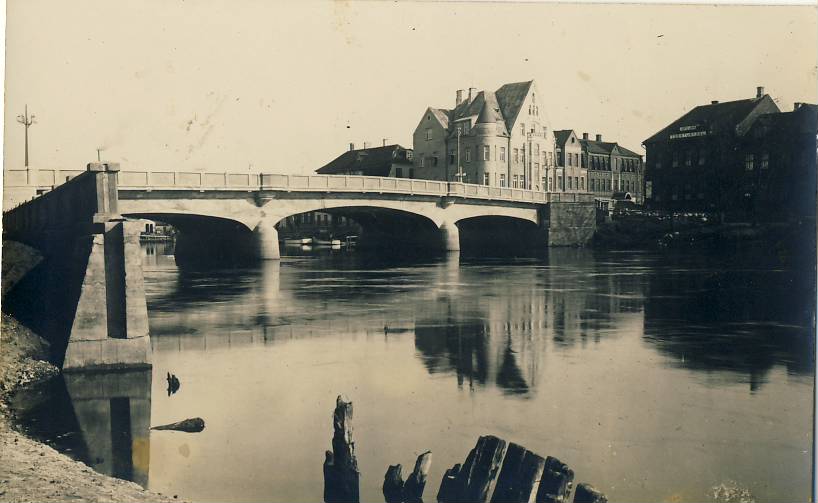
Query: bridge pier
x=267, y=241
x=450, y=235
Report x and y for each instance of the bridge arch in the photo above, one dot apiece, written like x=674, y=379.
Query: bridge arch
x=500, y=235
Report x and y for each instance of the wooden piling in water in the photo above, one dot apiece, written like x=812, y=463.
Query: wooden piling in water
x=519, y=477
x=472, y=481
x=393, y=485
x=416, y=482
x=556, y=483
x=341, y=476
x=585, y=493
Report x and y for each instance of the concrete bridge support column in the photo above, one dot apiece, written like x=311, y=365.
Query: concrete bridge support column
x=110, y=325
x=450, y=235
x=267, y=241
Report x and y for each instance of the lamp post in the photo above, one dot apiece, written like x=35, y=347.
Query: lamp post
x=27, y=120
x=459, y=174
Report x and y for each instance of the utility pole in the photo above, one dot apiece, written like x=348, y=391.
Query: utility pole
x=26, y=121
x=99, y=157
x=459, y=175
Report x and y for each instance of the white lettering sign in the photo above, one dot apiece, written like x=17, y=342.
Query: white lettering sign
x=688, y=135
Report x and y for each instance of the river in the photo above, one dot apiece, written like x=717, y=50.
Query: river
x=656, y=377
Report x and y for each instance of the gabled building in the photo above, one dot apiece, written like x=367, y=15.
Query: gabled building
x=499, y=138
x=386, y=161
x=612, y=169
x=697, y=162
x=569, y=174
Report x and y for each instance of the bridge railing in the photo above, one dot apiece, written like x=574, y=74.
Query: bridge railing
x=205, y=180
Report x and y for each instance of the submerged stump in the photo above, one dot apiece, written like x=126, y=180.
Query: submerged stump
x=556, y=483
x=519, y=477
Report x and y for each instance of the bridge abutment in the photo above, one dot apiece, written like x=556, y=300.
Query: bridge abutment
x=569, y=223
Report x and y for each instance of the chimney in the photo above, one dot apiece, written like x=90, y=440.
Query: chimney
x=584, y=136
x=351, y=147
x=384, y=141
x=472, y=93
x=366, y=144
x=459, y=99
x=599, y=137
x=797, y=105
x=714, y=102
x=759, y=92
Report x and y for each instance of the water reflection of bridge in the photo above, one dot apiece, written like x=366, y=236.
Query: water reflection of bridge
x=489, y=324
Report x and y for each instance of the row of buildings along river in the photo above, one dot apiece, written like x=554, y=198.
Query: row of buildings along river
x=746, y=158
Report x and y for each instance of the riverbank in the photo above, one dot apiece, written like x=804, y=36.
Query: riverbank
x=30, y=470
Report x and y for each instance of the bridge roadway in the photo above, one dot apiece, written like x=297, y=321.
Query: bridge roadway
x=237, y=213
x=93, y=286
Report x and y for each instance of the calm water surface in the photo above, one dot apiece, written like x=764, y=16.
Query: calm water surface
x=655, y=378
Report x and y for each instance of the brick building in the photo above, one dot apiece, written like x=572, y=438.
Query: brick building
x=499, y=138
x=612, y=170
x=700, y=161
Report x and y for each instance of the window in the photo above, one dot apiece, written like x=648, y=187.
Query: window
x=576, y=182
x=522, y=129
x=559, y=182
x=675, y=159
x=576, y=159
x=544, y=183
x=537, y=149
x=522, y=154
x=608, y=185
x=550, y=158
x=428, y=134
x=434, y=161
x=570, y=159
x=749, y=162
x=702, y=157
x=399, y=172
x=468, y=154
x=537, y=166
x=485, y=178
x=689, y=158
x=466, y=127
x=582, y=182
x=765, y=160
x=411, y=172
x=502, y=153
x=486, y=153
x=420, y=161
x=515, y=181
x=569, y=180
x=550, y=183
x=451, y=158
x=502, y=180
x=516, y=155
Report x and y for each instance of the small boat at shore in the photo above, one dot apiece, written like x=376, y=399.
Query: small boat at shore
x=326, y=242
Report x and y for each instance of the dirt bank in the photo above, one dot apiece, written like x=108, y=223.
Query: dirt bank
x=29, y=470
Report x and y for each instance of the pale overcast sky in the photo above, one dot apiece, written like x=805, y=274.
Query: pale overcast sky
x=285, y=86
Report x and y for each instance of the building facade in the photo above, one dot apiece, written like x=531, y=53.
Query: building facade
x=700, y=162
x=614, y=172
x=499, y=138
x=569, y=173
x=388, y=160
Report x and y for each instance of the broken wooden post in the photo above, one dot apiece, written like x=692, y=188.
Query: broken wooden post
x=393, y=484
x=416, y=483
x=472, y=481
x=448, y=491
x=340, y=466
x=556, y=482
x=585, y=493
x=519, y=477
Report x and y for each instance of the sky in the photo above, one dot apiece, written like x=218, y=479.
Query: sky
x=284, y=87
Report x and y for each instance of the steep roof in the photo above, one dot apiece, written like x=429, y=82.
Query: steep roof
x=598, y=147
x=442, y=115
x=625, y=152
x=510, y=98
x=562, y=136
x=730, y=116
x=375, y=161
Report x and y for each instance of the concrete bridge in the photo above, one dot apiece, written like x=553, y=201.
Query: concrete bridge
x=84, y=229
